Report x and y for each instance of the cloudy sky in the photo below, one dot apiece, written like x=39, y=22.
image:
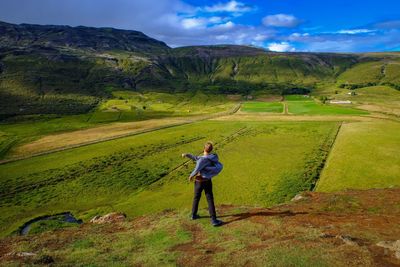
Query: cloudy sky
x=278, y=25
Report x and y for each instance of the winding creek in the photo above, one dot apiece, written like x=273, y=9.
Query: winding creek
x=61, y=217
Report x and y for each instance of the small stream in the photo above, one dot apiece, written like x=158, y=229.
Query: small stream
x=64, y=217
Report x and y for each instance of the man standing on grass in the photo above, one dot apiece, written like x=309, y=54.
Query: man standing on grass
x=207, y=166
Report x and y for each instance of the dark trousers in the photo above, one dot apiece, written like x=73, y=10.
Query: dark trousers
x=207, y=187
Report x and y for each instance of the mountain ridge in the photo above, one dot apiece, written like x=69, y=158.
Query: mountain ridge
x=64, y=35
x=69, y=70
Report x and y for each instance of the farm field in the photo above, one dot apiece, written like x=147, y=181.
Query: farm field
x=299, y=106
x=254, y=116
x=172, y=104
x=382, y=99
x=131, y=174
x=95, y=134
x=364, y=156
x=124, y=107
x=270, y=107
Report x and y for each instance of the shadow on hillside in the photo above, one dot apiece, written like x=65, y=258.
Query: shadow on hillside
x=247, y=215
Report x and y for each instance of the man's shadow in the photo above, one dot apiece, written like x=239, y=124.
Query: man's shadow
x=247, y=215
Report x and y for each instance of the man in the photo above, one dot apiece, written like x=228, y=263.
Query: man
x=207, y=166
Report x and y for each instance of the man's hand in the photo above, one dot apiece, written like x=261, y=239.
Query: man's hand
x=190, y=179
x=183, y=155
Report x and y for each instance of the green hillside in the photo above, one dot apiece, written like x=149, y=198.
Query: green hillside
x=382, y=70
x=69, y=70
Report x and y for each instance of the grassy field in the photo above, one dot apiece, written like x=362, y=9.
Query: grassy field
x=270, y=107
x=371, y=73
x=95, y=134
x=301, y=105
x=267, y=159
x=297, y=98
x=363, y=73
x=124, y=107
x=383, y=99
x=132, y=174
x=364, y=156
x=173, y=104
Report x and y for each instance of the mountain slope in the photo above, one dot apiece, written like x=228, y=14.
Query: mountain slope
x=69, y=70
x=98, y=39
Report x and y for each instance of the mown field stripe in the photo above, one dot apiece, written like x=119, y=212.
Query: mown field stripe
x=325, y=160
x=189, y=121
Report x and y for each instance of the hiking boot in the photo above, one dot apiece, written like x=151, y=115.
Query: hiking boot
x=216, y=222
x=195, y=217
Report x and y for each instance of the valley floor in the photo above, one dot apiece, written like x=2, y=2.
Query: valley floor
x=270, y=152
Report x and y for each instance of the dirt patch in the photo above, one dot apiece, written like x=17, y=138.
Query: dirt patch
x=195, y=252
x=5, y=248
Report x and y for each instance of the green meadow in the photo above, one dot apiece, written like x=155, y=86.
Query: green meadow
x=171, y=104
x=365, y=156
x=125, y=106
x=297, y=98
x=382, y=98
x=265, y=164
x=301, y=105
x=271, y=107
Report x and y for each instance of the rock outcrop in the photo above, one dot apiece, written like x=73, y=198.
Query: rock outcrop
x=109, y=218
x=392, y=246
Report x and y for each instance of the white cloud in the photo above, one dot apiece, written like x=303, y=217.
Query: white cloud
x=204, y=22
x=222, y=37
x=336, y=42
x=227, y=25
x=260, y=37
x=296, y=34
x=355, y=31
x=190, y=23
x=281, y=47
x=281, y=20
x=215, y=20
x=231, y=6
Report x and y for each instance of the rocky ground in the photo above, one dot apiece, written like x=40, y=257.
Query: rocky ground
x=353, y=228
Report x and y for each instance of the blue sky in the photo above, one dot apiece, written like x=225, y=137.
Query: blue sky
x=278, y=25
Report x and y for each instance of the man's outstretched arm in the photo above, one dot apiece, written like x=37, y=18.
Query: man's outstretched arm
x=190, y=156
